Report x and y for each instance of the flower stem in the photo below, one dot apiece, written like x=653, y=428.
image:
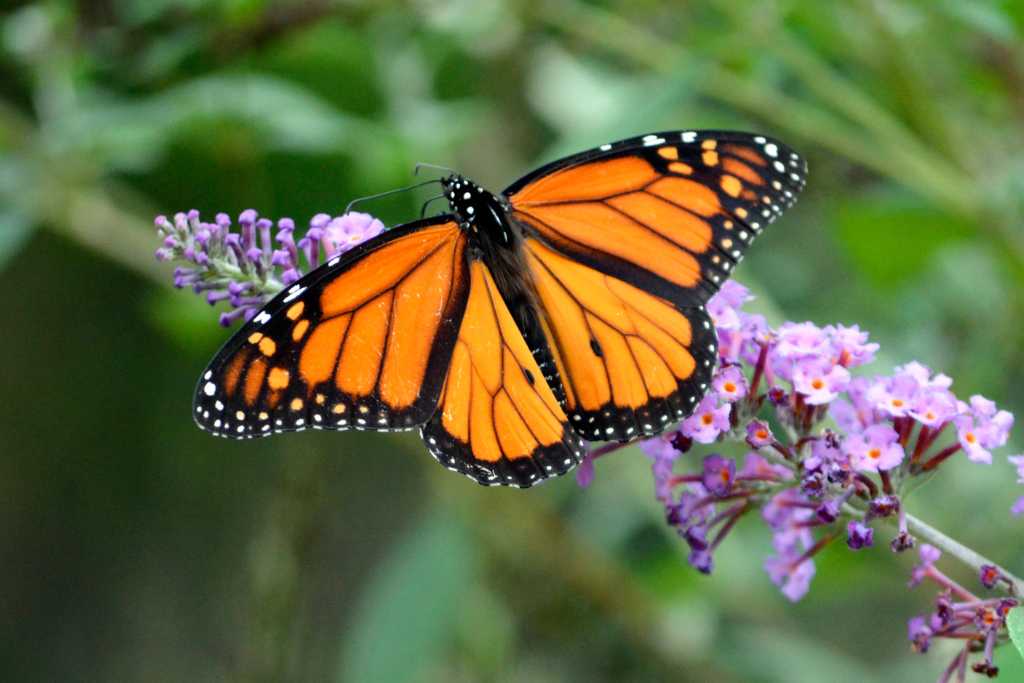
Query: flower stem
x=961, y=552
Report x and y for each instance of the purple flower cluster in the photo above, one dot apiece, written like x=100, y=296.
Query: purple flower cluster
x=960, y=616
x=834, y=454
x=849, y=449
x=247, y=264
x=813, y=484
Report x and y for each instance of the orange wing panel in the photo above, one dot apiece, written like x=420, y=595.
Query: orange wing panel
x=499, y=422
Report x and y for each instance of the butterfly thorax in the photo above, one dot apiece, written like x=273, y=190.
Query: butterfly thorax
x=480, y=213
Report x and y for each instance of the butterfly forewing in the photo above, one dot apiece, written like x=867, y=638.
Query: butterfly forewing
x=363, y=342
x=625, y=244
x=670, y=212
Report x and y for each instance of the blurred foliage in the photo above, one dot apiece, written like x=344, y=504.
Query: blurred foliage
x=136, y=548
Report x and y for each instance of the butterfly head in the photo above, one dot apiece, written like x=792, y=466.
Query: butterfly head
x=474, y=206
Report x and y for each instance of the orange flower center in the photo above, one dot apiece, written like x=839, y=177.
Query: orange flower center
x=875, y=453
x=707, y=418
x=761, y=433
x=897, y=403
x=729, y=387
x=970, y=438
x=817, y=383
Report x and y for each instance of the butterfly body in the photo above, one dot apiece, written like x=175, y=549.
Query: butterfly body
x=516, y=326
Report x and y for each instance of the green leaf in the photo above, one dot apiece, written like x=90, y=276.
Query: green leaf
x=412, y=605
x=892, y=237
x=1015, y=625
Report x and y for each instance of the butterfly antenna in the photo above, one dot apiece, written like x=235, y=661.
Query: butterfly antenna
x=388, y=193
x=423, y=164
x=423, y=209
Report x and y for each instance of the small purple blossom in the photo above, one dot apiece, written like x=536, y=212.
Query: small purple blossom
x=989, y=575
x=730, y=384
x=819, y=382
x=1017, y=509
x=970, y=439
x=791, y=573
x=719, y=475
x=875, y=449
x=759, y=434
x=707, y=422
x=350, y=230
x=801, y=340
x=933, y=407
x=859, y=535
x=850, y=346
x=929, y=555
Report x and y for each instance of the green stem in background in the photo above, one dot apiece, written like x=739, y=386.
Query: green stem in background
x=950, y=546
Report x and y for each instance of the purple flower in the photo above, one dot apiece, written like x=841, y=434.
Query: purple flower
x=818, y=381
x=859, y=535
x=1017, y=509
x=989, y=575
x=707, y=422
x=730, y=384
x=799, y=340
x=970, y=439
x=856, y=411
x=923, y=375
x=719, y=475
x=850, y=345
x=894, y=395
x=759, y=434
x=929, y=555
x=701, y=560
x=875, y=449
x=724, y=306
x=933, y=407
x=791, y=574
x=352, y=229
x=919, y=634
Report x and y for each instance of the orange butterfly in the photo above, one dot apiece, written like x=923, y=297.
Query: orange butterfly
x=516, y=326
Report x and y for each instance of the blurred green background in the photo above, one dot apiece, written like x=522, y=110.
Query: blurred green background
x=134, y=547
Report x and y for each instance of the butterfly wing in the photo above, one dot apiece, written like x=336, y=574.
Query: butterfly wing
x=630, y=362
x=625, y=244
x=361, y=342
x=498, y=421
x=671, y=213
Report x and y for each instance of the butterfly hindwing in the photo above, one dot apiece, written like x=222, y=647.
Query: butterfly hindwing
x=630, y=363
x=671, y=213
x=498, y=421
x=362, y=342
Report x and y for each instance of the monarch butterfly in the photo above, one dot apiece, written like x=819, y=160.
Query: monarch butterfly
x=513, y=328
